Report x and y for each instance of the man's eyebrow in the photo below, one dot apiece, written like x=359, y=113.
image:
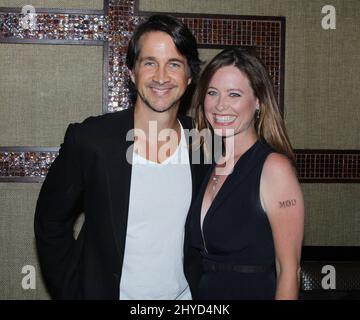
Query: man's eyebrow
x=177, y=60
x=147, y=58
x=150, y=58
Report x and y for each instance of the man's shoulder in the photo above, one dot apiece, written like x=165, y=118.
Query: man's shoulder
x=96, y=130
x=105, y=123
x=106, y=119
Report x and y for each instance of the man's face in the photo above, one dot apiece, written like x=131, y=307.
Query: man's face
x=161, y=74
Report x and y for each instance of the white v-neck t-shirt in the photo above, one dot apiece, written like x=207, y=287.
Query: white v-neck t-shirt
x=160, y=196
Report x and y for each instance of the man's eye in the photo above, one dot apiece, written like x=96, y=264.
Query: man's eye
x=174, y=65
x=149, y=63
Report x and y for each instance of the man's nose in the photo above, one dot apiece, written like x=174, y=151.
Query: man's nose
x=161, y=75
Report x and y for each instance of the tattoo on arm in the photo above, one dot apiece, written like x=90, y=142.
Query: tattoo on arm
x=287, y=203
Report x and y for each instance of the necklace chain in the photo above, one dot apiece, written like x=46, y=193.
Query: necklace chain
x=215, y=178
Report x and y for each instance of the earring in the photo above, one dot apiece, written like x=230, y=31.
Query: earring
x=257, y=114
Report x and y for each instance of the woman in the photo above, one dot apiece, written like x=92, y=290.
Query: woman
x=247, y=221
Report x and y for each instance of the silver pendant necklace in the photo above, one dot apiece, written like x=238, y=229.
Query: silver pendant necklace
x=215, y=181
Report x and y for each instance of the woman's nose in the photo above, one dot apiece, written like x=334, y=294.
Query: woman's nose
x=222, y=104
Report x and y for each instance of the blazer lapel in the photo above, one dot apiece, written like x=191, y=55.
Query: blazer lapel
x=198, y=166
x=187, y=126
x=118, y=170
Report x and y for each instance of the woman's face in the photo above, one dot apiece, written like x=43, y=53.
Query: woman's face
x=230, y=102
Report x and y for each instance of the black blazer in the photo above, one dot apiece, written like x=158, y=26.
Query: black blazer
x=91, y=175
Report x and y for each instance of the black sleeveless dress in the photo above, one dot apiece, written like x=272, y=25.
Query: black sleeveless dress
x=236, y=243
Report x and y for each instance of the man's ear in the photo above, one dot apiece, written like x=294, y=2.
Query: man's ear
x=132, y=77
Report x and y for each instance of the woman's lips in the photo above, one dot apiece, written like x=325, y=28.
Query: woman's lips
x=224, y=120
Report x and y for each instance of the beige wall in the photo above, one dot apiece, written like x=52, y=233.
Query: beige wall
x=332, y=214
x=45, y=87
x=17, y=242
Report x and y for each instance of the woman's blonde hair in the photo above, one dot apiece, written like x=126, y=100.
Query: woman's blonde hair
x=269, y=125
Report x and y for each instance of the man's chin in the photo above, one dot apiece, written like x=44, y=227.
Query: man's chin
x=159, y=108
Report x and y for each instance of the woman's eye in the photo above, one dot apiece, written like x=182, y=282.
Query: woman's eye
x=211, y=93
x=234, y=94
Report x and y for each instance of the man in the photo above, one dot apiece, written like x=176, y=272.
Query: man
x=135, y=197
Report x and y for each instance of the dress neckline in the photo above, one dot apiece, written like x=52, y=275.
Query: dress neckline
x=206, y=182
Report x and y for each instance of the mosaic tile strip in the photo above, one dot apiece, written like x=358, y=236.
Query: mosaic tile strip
x=122, y=22
x=54, y=27
x=319, y=166
x=26, y=164
x=264, y=35
x=328, y=166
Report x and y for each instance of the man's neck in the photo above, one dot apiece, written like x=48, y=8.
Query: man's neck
x=164, y=120
x=155, y=129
